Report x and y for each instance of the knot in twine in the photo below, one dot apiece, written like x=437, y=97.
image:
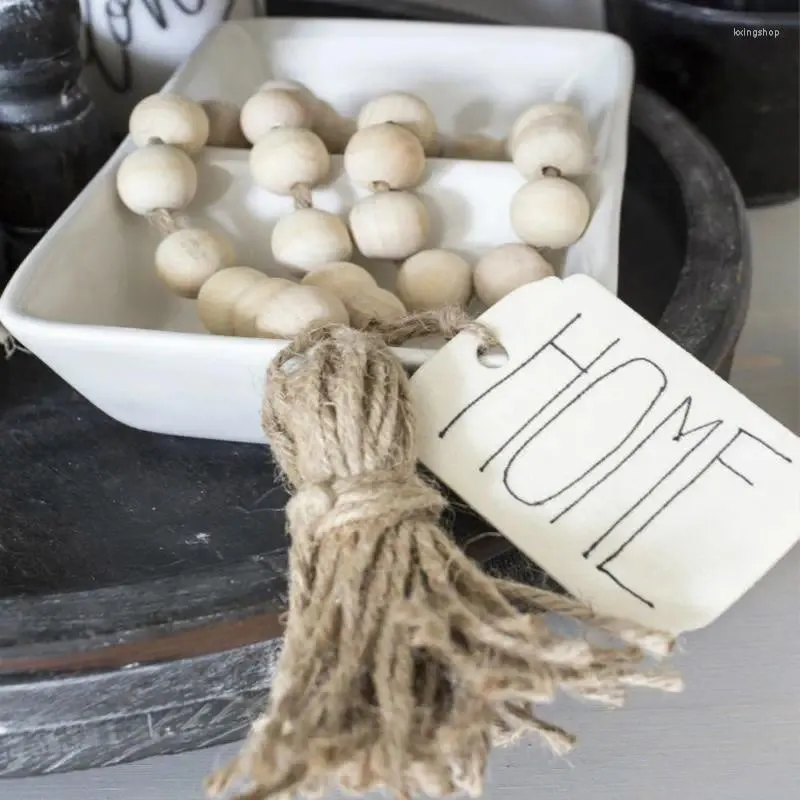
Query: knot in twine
x=403, y=662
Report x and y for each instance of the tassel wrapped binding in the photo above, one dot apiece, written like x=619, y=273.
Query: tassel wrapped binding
x=403, y=661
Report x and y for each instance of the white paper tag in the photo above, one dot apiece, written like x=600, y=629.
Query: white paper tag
x=636, y=477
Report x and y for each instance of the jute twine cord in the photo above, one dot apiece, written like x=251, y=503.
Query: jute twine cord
x=301, y=194
x=403, y=661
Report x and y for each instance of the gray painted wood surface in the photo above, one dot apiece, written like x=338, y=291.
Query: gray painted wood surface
x=735, y=732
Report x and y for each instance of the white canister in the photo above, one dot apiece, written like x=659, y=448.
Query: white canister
x=132, y=47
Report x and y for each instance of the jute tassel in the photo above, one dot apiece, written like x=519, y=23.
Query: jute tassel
x=403, y=661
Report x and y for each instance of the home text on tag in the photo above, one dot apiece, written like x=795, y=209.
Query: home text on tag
x=637, y=478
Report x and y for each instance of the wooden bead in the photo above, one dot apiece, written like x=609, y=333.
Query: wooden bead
x=170, y=119
x=434, y=279
x=273, y=108
x=373, y=305
x=297, y=309
x=504, y=269
x=218, y=296
x=224, y=129
x=156, y=177
x=364, y=300
x=187, y=258
x=308, y=98
x=550, y=212
x=407, y=110
x=338, y=275
x=385, y=154
x=542, y=111
x=310, y=238
x=252, y=301
x=390, y=225
x=552, y=143
x=286, y=157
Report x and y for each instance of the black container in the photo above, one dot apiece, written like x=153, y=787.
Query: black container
x=731, y=67
x=52, y=140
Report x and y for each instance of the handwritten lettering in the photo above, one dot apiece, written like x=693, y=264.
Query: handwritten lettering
x=717, y=459
x=612, y=447
x=114, y=65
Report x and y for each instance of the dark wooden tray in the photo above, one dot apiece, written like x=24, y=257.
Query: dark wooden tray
x=141, y=576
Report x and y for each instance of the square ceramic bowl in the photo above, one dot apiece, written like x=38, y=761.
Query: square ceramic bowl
x=87, y=300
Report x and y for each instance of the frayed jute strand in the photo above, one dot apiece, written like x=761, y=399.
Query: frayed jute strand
x=403, y=662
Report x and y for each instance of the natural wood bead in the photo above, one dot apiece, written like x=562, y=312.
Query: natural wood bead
x=542, y=111
x=286, y=157
x=552, y=143
x=356, y=288
x=224, y=129
x=340, y=274
x=504, y=269
x=170, y=119
x=550, y=212
x=156, y=177
x=407, y=110
x=373, y=305
x=385, y=154
x=434, y=279
x=273, y=108
x=307, y=97
x=390, y=225
x=218, y=296
x=310, y=238
x=297, y=309
x=187, y=258
x=252, y=301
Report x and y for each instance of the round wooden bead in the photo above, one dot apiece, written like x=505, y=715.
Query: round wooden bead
x=407, y=110
x=339, y=276
x=307, y=97
x=434, y=279
x=552, y=143
x=297, y=309
x=309, y=238
x=505, y=268
x=373, y=305
x=273, y=108
x=550, y=212
x=170, y=119
x=286, y=157
x=156, y=177
x=390, y=225
x=224, y=129
x=218, y=296
x=356, y=288
x=252, y=301
x=542, y=111
x=187, y=258
x=385, y=154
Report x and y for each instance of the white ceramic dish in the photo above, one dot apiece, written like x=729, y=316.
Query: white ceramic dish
x=87, y=301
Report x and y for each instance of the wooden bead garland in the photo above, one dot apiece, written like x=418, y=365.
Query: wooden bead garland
x=289, y=159
x=388, y=159
x=549, y=143
x=386, y=152
x=160, y=178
